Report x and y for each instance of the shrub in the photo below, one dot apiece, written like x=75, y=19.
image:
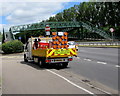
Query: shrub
x=13, y=46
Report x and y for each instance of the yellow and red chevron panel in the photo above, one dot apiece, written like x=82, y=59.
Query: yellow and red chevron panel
x=54, y=52
x=61, y=52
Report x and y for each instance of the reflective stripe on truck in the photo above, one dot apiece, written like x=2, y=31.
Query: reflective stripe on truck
x=54, y=52
x=61, y=52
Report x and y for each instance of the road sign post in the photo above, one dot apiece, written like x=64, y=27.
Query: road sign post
x=47, y=29
x=112, y=30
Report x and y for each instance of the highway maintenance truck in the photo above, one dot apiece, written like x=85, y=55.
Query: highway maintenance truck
x=50, y=50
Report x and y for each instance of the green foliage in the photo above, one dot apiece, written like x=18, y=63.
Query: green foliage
x=103, y=15
x=14, y=46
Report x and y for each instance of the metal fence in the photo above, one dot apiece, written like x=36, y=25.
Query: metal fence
x=99, y=43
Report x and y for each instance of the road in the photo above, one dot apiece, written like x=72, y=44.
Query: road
x=84, y=75
x=108, y=55
x=27, y=78
x=97, y=64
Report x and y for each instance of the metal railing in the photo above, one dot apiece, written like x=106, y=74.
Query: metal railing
x=99, y=43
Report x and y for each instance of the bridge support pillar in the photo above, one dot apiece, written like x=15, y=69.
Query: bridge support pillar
x=11, y=34
x=80, y=33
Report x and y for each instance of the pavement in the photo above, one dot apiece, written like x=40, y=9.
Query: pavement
x=27, y=78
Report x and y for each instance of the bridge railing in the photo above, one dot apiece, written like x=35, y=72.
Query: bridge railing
x=64, y=26
x=93, y=29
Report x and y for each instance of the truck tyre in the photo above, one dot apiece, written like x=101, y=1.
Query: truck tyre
x=65, y=65
x=25, y=59
x=40, y=63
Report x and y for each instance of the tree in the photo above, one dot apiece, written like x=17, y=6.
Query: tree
x=101, y=14
x=3, y=37
x=0, y=37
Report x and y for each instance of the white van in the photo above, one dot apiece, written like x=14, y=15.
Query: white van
x=73, y=44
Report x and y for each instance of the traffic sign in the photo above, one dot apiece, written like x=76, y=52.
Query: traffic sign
x=47, y=28
x=111, y=30
x=47, y=33
x=19, y=38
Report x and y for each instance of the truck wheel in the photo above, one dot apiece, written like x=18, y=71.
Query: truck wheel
x=40, y=63
x=65, y=65
x=25, y=59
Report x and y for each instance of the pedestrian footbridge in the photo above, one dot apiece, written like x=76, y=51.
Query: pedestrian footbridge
x=62, y=26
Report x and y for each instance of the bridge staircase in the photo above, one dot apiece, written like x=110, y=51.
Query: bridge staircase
x=94, y=29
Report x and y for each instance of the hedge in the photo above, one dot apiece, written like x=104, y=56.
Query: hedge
x=13, y=46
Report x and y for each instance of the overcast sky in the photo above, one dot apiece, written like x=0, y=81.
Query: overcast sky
x=18, y=12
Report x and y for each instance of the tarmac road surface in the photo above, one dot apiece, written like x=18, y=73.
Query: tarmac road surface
x=98, y=64
x=27, y=78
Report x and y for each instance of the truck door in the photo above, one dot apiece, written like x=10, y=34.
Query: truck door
x=28, y=50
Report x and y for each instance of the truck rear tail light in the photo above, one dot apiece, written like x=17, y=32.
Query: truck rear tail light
x=47, y=61
x=70, y=59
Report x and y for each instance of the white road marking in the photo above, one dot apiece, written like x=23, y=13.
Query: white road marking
x=101, y=62
x=117, y=66
x=104, y=91
x=87, y=59
x=71, y=82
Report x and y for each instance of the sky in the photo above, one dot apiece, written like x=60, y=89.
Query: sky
x=19, y=12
